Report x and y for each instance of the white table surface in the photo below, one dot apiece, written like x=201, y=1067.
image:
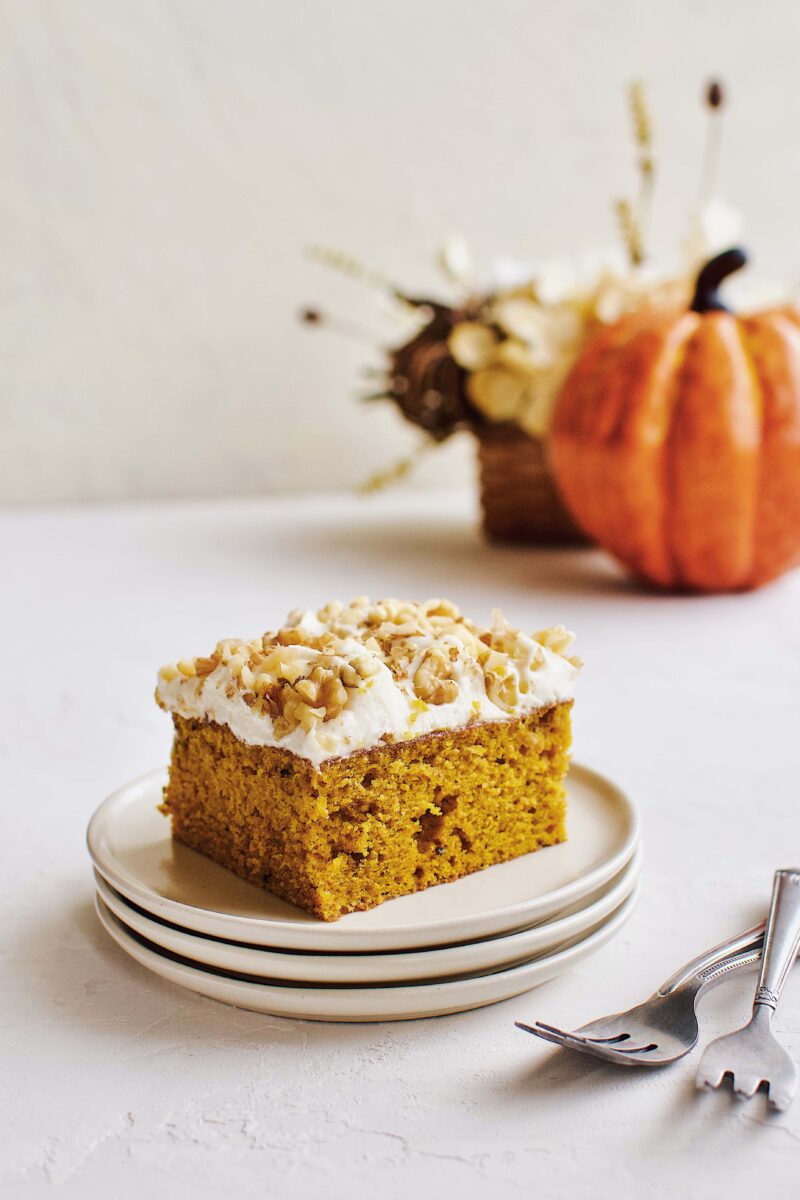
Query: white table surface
x=118, y=1084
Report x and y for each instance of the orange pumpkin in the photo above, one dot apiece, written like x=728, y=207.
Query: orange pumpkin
x=676, y=441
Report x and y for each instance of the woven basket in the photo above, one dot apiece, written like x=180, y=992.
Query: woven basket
x=518, y=496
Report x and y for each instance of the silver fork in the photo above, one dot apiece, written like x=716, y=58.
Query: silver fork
x=752, y=1056
x=664, y=1027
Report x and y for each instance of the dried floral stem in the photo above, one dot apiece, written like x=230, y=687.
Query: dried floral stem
x=631, y=233
x=399, y=470
x=340, y=325
x=636, y=220
x=715, y=102
x=346, y=264
x=642, y=125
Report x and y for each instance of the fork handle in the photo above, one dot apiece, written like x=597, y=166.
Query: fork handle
x=715, y=974
x=706, y=962
x=781, y=939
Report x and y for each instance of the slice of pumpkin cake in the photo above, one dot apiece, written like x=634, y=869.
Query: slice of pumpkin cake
x=370, y=750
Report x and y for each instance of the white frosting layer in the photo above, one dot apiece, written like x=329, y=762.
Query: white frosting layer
x=386, y=703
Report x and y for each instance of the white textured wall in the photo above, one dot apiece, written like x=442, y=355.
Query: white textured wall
x=164, y=162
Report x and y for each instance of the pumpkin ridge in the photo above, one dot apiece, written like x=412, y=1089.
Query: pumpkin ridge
x=668, y=473
x=715, y=456
x=758, y=394
x=776, y=351
x=664, y=381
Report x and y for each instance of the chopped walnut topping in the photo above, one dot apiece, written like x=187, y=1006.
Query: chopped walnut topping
x=433, y=679
x=558, y=639
x=502, y=691
x=235, y=664
x=292, y=636
x=204, y=666
x=308, y=672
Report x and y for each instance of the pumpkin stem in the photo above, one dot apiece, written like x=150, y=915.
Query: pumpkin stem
x=716, y=271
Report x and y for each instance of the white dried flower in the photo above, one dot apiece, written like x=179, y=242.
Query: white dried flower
x=455, y=261
x=472, y=345
x=498, y=392
x=521, y=318
x=517, y=356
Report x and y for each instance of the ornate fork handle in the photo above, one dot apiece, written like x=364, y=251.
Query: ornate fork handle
x=713, y=975
x=781, y=940
x=703, y=969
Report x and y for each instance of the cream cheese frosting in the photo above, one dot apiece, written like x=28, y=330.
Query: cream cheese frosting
x=350, y=677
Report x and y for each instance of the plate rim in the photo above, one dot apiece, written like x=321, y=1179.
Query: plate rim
x=448, y=931
x=483, y=986
x=406, y=962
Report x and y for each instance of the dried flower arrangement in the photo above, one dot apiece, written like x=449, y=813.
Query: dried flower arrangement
x=493, y=361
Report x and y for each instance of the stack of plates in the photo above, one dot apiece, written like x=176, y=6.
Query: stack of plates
x=458, y=946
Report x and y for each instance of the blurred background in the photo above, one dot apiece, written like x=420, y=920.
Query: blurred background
x=166, y=163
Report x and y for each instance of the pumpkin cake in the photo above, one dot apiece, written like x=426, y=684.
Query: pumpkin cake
x=368, y=751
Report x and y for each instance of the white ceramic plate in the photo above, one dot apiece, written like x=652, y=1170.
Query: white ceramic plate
x=131, y=847
x=398, y=1002
x=490, y=954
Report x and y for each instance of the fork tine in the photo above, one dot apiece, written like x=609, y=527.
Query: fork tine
x=550, y=1034
x=710, y=1077
x=573, y=1041
x=558, y=1037
x=538, y=1026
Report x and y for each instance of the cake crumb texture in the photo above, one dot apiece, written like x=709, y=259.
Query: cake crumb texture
x=374, y=824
